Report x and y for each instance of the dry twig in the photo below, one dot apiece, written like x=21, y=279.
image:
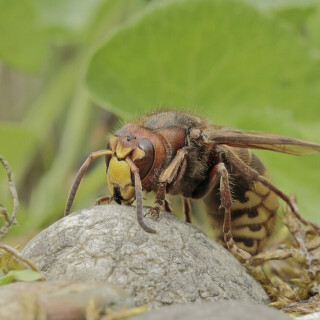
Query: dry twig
x=11, y=220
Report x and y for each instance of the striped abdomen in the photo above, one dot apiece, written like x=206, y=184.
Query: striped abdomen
x=253, y=209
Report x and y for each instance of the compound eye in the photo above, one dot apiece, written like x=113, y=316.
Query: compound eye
x=143, y=156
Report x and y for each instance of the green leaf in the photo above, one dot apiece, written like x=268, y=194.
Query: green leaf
x=296, y=16
x=71, y=21
x=23, y=42
x=15, y=143
x=67, y=19
x=112, y=13
x=271, y=5
x=20, y=275
x=6, y=279
x=213, y=55
x=26, y=275
x=313, y=27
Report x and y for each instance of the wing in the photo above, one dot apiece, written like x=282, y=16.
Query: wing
x=260, y=140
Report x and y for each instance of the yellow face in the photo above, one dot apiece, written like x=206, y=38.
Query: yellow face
x=119, y=180
x=119, y=176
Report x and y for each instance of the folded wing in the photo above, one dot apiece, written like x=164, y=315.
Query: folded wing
x=260, y=140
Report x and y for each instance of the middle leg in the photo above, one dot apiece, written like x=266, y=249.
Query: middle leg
x=171, y=174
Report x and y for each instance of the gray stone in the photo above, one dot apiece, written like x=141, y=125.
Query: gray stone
x=179, y=264
x=223, y=310
x=313, y=316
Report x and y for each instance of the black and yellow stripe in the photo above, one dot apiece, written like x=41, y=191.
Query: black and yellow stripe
x=253, y=209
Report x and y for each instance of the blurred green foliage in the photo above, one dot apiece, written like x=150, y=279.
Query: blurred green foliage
x=68, y=67
x=19, y=275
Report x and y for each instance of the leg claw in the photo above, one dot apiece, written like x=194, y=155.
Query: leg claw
x=154, y=213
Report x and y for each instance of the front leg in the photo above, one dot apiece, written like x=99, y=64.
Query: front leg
x=170, y=174
x=187, y=209
x=159, y=202
x=101, y=200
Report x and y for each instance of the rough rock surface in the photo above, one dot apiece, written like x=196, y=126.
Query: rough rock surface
x=223, y=310
x=179, y=264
